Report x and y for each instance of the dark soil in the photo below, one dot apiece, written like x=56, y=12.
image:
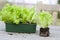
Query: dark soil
x=44, y=32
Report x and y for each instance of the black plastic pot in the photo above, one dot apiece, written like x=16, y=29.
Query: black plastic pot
x=21, y=28
x=44, y=32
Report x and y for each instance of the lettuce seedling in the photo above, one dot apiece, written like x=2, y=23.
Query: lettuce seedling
x=45, y=19
x=16, y=14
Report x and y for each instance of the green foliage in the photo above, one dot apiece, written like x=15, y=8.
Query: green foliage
x=16, y=14
x=45, y=19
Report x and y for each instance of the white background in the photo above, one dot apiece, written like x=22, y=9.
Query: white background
x=35, y=1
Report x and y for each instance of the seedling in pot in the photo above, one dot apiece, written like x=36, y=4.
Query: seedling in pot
x=45, y=19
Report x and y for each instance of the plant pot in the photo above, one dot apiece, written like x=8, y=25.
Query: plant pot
x=21, y=28
x=44, y=32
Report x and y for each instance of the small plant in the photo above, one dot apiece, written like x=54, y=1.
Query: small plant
x=45, y=19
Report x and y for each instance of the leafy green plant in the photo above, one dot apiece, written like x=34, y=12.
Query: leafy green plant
x=10, y=14
x=16, y=14
x=45, y=19
x=29, y=15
